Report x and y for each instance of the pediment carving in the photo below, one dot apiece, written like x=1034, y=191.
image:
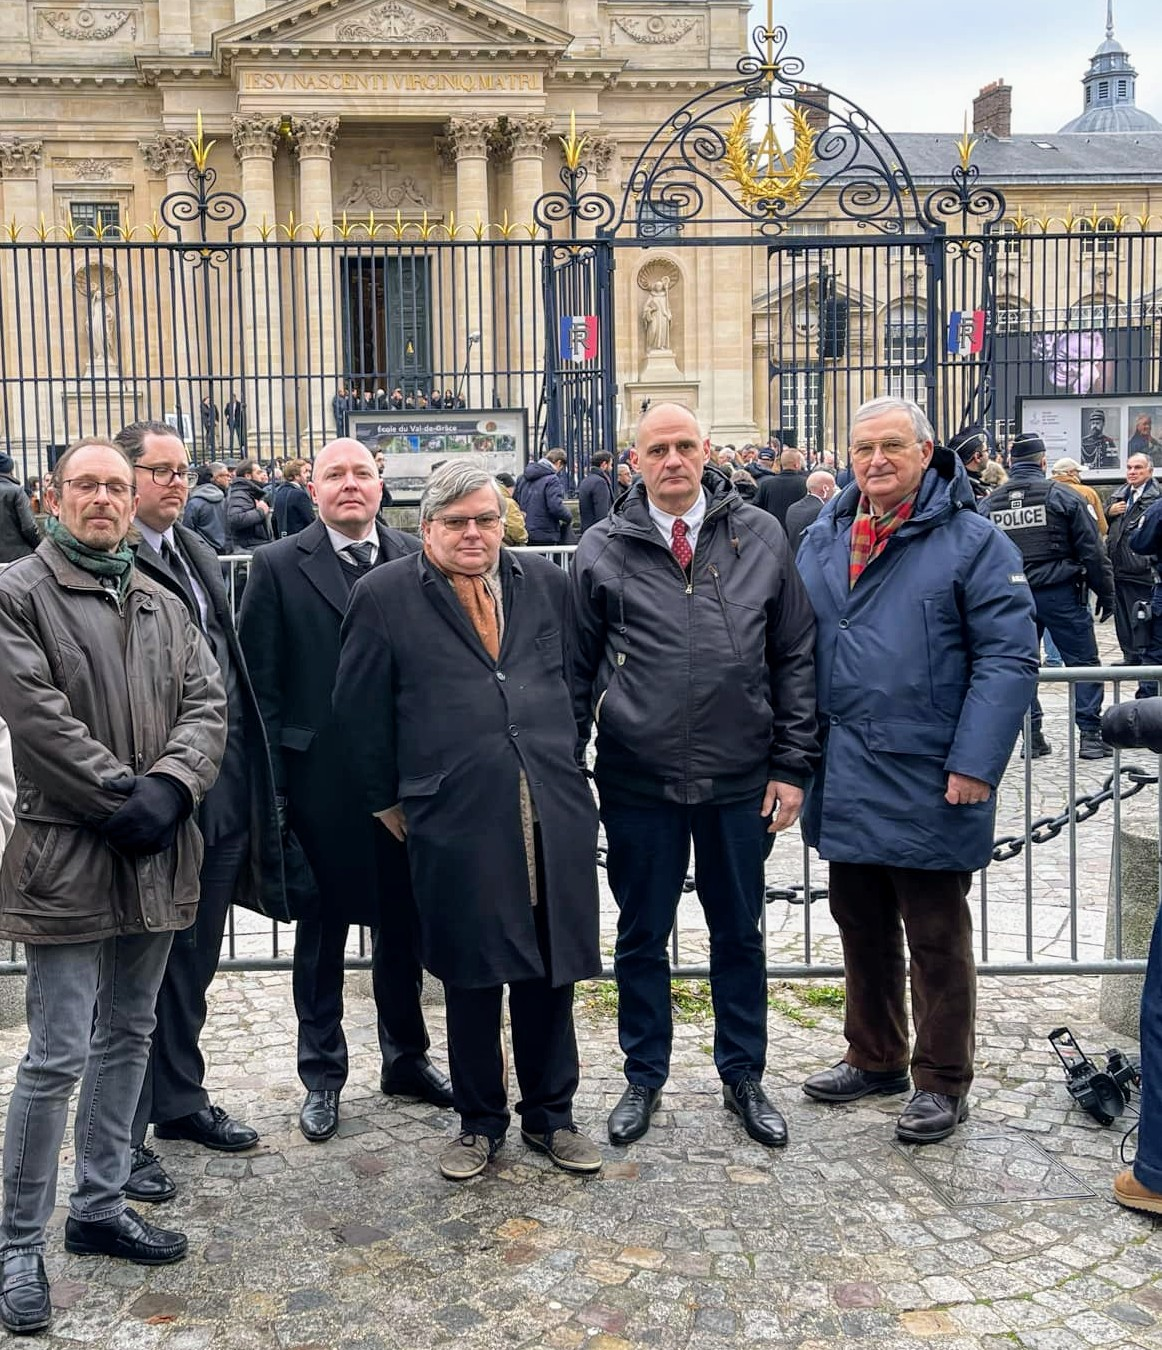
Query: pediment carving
x=390, y=23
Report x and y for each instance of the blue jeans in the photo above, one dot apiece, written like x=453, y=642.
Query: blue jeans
x=90, y=1017
x=1062, y=611
x=1148, y=1163
x=648, y=853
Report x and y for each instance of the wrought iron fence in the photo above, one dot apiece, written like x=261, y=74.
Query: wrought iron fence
x=1052, y=900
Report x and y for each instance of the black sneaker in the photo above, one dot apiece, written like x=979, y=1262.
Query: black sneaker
x=1038, y=748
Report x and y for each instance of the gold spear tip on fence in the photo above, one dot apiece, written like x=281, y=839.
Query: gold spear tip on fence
x=573, y=145
x=965, y=146
x=198, y=147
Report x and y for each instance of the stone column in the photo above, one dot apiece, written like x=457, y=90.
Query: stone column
x=19, y=164
x=469, y=137
x=528, y=137
x=314, y=141
x=255, y=144
x=168, y=156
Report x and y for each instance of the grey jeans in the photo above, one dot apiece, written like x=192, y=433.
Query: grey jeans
x=90, y=1017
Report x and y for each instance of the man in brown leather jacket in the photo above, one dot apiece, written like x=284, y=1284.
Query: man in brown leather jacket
x=118, y=720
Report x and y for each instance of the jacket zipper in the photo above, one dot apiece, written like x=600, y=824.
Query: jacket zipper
x=713, y=570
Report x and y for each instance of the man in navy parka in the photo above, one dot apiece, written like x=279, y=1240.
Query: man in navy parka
x=926, y=660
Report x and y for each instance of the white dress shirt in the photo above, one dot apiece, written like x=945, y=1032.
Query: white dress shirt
x=341, y=542
x=693, y=518
x=155, y=541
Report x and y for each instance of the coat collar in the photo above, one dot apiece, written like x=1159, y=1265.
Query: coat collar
x=320, y=564
x=436, y=587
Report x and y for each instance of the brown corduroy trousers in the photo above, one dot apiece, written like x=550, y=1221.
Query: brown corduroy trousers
x=874, y=907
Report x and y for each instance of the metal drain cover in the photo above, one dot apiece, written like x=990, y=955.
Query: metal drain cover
x=992, y=1169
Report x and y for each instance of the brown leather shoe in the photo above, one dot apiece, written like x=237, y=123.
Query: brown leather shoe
x=1129, y=1191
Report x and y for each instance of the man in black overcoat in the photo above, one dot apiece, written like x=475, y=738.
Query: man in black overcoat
x=291, y=615
x=242, y=863
x=452, y=698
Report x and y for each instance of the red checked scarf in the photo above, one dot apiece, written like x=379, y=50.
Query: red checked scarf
x=870, y=534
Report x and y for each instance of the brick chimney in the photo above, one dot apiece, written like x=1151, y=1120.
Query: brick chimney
x=992, y=110
x=816, y=104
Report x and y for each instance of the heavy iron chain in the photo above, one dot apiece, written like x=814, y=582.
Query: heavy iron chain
x=1006, y=846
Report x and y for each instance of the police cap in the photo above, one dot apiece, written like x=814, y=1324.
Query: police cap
x=1027, y=446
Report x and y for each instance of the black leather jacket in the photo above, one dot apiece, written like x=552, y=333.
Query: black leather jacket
x=702, y=689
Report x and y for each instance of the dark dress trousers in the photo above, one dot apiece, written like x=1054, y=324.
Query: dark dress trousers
x=242, y=863
x=289, y=626
x=435, y=724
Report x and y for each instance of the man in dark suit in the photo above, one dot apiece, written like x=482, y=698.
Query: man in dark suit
x=595, y=491
x=804, y=512
x=235, y=412
x=242, y=863
x=454, y=661
x=778, y=490
x=290, y=621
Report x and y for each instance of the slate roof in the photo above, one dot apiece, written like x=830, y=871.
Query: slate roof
x=1052, y=158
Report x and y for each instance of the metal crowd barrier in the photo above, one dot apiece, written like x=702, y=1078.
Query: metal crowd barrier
x=1051, y=901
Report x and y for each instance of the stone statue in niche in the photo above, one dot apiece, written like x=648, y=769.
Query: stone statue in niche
x=656, y=315
x=98, y=287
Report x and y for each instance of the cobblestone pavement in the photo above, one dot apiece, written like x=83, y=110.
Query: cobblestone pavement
x=693, y=1237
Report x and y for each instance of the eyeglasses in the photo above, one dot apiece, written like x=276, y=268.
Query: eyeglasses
x=163, y=475
x=488, y=520
x=89, y=487
x=863, y=452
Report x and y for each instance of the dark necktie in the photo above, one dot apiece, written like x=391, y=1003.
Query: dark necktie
x=680, y=545
x=177, y=565
x=360, y=554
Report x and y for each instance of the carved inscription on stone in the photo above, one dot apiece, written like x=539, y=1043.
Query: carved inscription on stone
x=393, y=22
x=87, y=25
x=654, y=30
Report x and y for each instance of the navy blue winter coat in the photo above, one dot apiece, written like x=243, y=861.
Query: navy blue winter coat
x=923, y=669
x=541, y=496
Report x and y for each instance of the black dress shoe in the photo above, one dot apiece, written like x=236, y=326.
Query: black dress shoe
x=417, y=1078
x=212, y=1128
x=930, y=1116
x=845, y=1083
x=760, y=1118
x=127, y=1236
x=319, y=1118
x=148, y=1179
x=630, y=1118
x=25, y=1305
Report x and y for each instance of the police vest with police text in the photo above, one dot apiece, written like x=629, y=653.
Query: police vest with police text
x=1021, y=509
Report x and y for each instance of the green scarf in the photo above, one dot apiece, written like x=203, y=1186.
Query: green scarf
x=118, y=564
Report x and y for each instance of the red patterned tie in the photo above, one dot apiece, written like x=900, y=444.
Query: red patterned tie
x=679, y=546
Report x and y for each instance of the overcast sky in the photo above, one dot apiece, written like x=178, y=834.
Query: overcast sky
x=915, y=65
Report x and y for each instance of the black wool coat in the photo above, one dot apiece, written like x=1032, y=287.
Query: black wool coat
x=260, y=884
x=435, y=724
x=292, y=610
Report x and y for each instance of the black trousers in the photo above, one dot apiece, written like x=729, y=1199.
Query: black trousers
x=317, y=986
x=174, y=1073
x=1133, y=637
x=874, y=906
x=544, y=1052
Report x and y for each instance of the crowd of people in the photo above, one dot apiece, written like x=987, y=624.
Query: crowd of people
x=399, y=731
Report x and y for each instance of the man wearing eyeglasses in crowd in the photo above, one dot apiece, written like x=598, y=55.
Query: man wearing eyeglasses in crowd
x=452, y=697
x=242, y=863
x=926, y=657
x=118, y=721
x=289, y=626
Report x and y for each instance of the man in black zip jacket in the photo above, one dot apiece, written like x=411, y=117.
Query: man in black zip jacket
x=693, y=654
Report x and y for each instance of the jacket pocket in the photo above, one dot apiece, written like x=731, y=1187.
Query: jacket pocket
x=931, y=739
x=549, y=650
x=296, y=738
x=68, y=869
x=426, y=786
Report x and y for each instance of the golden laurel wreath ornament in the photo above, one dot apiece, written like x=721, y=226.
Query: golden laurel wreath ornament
x=767, y=188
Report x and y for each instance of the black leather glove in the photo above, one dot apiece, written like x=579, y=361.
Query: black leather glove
x=1103, y=610
x=148, y=821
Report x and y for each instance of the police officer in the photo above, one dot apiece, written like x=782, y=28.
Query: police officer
x=1062, y=554
x=975, y=447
